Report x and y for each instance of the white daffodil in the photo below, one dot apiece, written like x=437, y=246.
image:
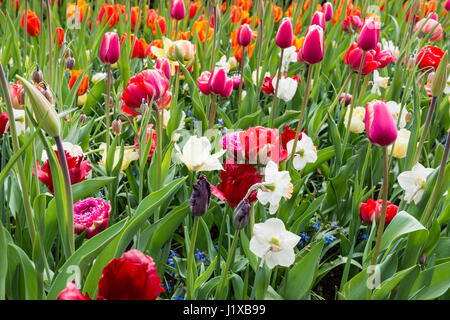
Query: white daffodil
x=379, y=82
x=99, y=76
x=389, y=45
x=286, y=89
x=166, y=118
x=19, y=118
x=305, y=152
x=73, y=149
x=395, y=108
x=196, y=155
x=414, y=182
x=223, y=63
x=278, y=186
x=400, y=144
x=273, y=243
x=129, y=154
x=233, y=63
x=447, y=86
x=357, y=124
x=289, y=56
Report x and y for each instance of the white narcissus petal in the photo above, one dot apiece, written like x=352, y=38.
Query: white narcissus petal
x=263, y=196
x=285, y=257
x=259, y=248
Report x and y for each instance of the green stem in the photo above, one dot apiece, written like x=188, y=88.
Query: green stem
x=302, y=114
x=425, y=129
x=212, y=112
x=159, y=134
x=25, y=34
x=241, y=81
x=214, y=37
x=190, y=261
x=222, y=285
x=50, y=44
x=108, y=93
x=257, y=277
x=273, y=113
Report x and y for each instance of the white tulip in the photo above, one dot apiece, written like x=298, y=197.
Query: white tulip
x=196, y=155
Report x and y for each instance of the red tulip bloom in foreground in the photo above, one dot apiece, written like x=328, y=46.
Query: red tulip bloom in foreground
x=429, y=57
x=284, y=34
x=380, y=125
x=3, y=122
x=132, y=277
x=371, y=207
x=313, y=47
x=244, y=35
x=147, y=85
x=71, y=292
x=353, y=58
x=236, y=179
x=151, y=131
x=33, y=23
x=91, y=214
x=369, y=35
x=110, y=49
x=59, y=37
x=78, y=170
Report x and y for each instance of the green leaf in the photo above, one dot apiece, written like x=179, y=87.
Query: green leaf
x=388, y=285
x=85, y=188
x=432, y=282
x=205, y=275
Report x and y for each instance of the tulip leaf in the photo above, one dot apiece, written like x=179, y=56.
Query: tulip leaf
x=432, y=282
x=3, y=261
x=18, y=258
x=85, y=188
x=388, y=285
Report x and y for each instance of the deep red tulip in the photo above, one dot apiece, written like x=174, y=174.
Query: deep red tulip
x=353, y=58
x=288, y=134
x=313, y=46
x=244, y=35
x=371, y=207
x=429, y=57
x=33, y=23
x=284, y=34
x=3, y=123
x=71, y=292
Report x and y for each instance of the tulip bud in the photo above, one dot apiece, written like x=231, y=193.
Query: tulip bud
x=42, y=107
x=346, y=97
x=70, y=63
x=284, y=34
x=370, y=33
x=318, y=19
x=380, y=125
x=244, y=35
x=37, y=75
x=83, y=118
x=164, y=65
x=200, y=197
x=177, y=10
x=241, y=214
x=217, y=80
x=440, y=78
x=110, y=49
x=328, y=10
x=313, y=46
x=116, y=127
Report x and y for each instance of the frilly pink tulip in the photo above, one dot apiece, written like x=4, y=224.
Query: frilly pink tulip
x=313, y=46
x=110, y=48
x=163, y=64
x=319, y=19
x=369, y=35
x=91, y=214
x=244, y=35
x=429, y=26
x=284, y=34
x=217, y=80
x=380, y=125
x=178, y=10
x=328, y=10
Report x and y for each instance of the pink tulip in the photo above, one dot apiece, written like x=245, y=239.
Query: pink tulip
x=244, y=35
x=319, y=19
x=369, y=35
x=328, y=10
x=91, y=214
x=429, y=26
x=447, y=5
x=236, y=81
x=313, y=46
x=227, y=89
x=346, y=97
x=110, y=48
x=163, y=65
x=217, y=80
x=177, y=10
x=284, y=34
x=203, y=82
x=352, y=23
x=300, y=56
x=380, y=125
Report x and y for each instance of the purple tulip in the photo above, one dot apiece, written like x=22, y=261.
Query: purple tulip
x=201, y=196
x=110, y=49
x=244, y=35
x=369, y=35
x=284, y=34
x=313, y=46
x=380, y=125
x=177, y=10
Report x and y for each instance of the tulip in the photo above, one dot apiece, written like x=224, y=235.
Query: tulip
x=33, y=23
x=227, y=89
x=59, y=37
x=236, y=81
x=328, y=10
x=110, y=49
x=244, y=35
x=369, y=35
x=313, y=46
x=84, y=83
x=200, y=197
x=177, y=10
x=429, y=57
x=371, y=207
x=182, y=50
x=151, y=131
x=429, y=26
x=91, y=214
x=241, y=215
x=284, y=34
x=163, y=64
x=447, y=5
x=203, y=82
x=380, y=125
x=383, y=57
x=17, y=94
x=346, y=97
x=353, y=58
x=3, y=122
x=37, y=75
x=352, y=23
x=71, y=292
x=318, y=19
x=217, y=81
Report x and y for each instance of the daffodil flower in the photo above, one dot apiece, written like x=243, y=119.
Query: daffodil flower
x=414, y=182
x=305, y=152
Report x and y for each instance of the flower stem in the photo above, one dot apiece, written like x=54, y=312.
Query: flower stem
x=214, y=10
x=257, y=277
x=383, y=207
x=108, y=93
x=212, y=112
x=25, y=27
x=68, y=191
x=190, y=261
x=302, y=114
x=425, y=129
x=273, y=113
x=241, y=80
x=50, y=45
x=222, y=285
x=159, y=133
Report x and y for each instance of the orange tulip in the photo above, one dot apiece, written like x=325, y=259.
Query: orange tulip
x=84, y=83
x=33, y=23
x=200, y=27
x=82, y=8
x=59, y=37
x=277, y=12
x=155, y=43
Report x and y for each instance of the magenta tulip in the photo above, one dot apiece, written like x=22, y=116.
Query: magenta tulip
x=236, y=81
x=313, y=46
x=110, y=48
x=369, y=35
x=328, y=10
x=244, y=35
x=178, y=10
x=227, y=88
x=163, y=65
x=284, y=34
x=447, y=5
x=91, y=214
x=380, y=125
x=217, y=80
x=319, y=19
x=203, y=82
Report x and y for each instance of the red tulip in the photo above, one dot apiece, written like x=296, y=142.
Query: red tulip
x=33, y=23
x=193, y=8
x=284, y=34
x=384, y=57
x=371, y=207
x=84, y=83
x=112, y=15
x=353, y=58
x=59, y=37
x=244, y=35
x=152, y=131
x=267, y=86
x=236, y=179
x=110, y=49
x=3, y=123
x=380, y=125
x=132, y=277
x=287, y=135
x=352, y=23
x=139, y=48
x=71, y=292
x=17, y=94
x=429, y=57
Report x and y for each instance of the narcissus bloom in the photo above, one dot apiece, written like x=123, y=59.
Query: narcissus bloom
x=371, y=207
x=273, y=243
x=414, y=182
x=395, y=108
x=357, y=124
x=280, y=186
x=305, y=152
x=429, y=58
x=380, y=126
x=132, y=277
x=378, y=82
x=33, y=23
x=401, y=144
x=91, y=214
x=196, y=155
